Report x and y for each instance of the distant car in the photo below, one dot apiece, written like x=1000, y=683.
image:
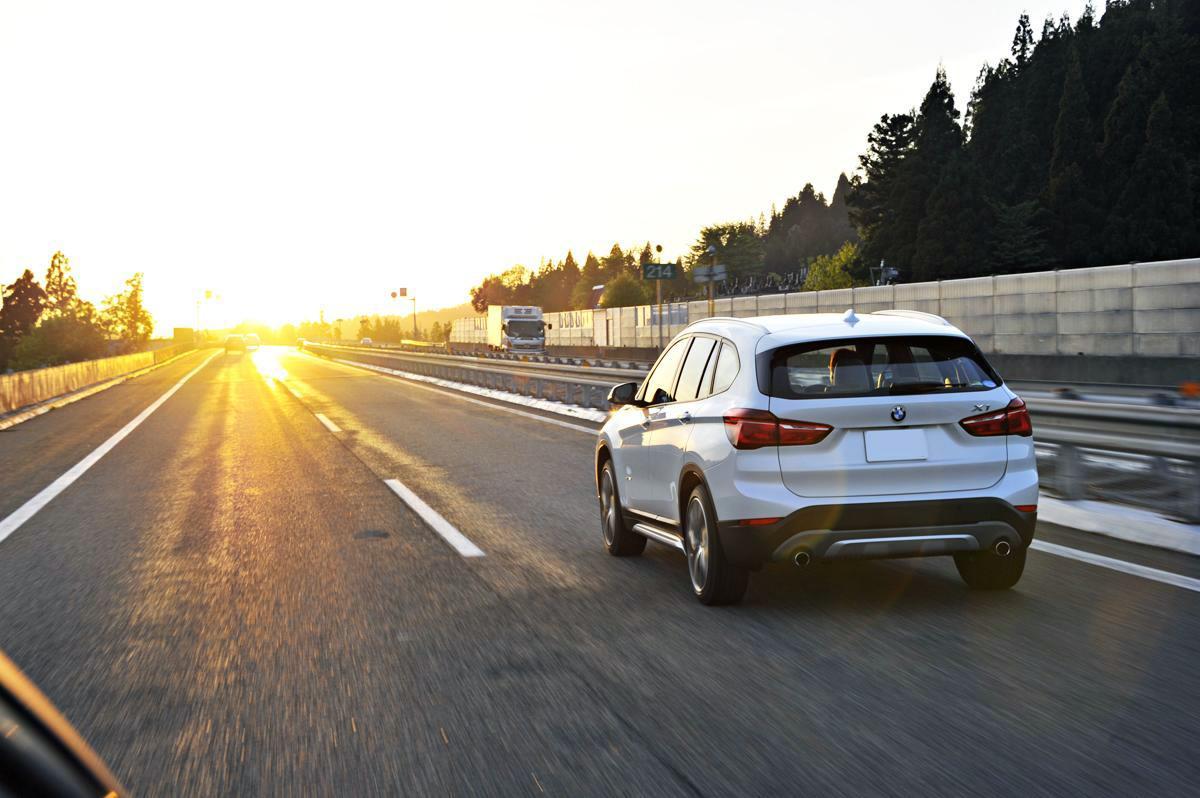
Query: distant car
x=300, y=342
x=252, y=341
x=817, y=437
x=235, y=343
x=367, y=342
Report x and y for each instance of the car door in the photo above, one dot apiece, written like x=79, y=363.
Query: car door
x=670, y=433
x=634, y=426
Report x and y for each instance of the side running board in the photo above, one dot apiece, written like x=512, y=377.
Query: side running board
x=661, y=535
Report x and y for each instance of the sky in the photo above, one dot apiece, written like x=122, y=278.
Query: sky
x=299, y=157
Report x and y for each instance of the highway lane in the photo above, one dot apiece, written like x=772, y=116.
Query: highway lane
x=230, y=603
x=214, y=605
x=865, y=678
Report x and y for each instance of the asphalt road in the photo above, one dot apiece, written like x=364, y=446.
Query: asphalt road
x=232, y=601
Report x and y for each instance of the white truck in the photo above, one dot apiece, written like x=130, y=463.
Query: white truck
x=506, y=328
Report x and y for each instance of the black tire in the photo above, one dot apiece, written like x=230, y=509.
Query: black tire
x=619, y=540
x=714, y=579
x=983, y=570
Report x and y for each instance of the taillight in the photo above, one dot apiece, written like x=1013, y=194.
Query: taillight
x=1012, y=420
x=754, y=429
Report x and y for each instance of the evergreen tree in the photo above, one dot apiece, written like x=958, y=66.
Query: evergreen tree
x=1154, y=216
x=1022, y=44
x=591, y=275
x=125, y=316
x=952, y=236
x=62, y=297
x=841, y=229
x=23, y=302
x=614, y=265
x=938, y=140
x=873, y=192
x=1017, y=239
x=1069, y=197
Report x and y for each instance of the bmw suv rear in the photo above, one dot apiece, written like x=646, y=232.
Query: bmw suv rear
x=815, y=437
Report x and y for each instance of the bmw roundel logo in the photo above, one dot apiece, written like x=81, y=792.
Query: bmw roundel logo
x=898, y=413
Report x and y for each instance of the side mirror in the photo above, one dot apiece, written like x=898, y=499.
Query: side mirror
x=40, y=753
x=623, y=394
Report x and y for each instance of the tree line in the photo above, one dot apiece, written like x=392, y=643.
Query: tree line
x=47, y=324
x=1082, y=148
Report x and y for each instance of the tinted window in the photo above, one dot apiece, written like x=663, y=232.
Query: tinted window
x=727, y=368
x=899, y=365
x=663, y=376
x=693, y=369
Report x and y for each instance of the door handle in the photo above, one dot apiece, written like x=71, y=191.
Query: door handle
x=685, y=417
x=646, y=422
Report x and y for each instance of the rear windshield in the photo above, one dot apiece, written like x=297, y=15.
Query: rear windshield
x=884, y=366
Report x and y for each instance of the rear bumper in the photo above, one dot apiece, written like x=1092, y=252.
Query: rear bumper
x=879, y=530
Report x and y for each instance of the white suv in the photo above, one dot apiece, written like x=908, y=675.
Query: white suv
x=807, y=437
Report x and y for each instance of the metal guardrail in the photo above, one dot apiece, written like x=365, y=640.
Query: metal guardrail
x=1130, y=454
x=580, y=391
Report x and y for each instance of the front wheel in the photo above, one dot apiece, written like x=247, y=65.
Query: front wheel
x=984, y=570
x=714, y=579
x=619, y=540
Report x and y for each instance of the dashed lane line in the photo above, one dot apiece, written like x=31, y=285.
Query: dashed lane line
x=329, y=425
x=1111, y=563
x=449, y=533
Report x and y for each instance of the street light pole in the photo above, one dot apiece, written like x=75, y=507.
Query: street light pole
x=712, y=252
x=658, y=298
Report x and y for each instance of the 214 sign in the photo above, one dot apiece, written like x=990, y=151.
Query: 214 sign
x=659, y=271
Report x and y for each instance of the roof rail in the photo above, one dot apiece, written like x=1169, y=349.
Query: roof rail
x=747, y=322
x=913, y=314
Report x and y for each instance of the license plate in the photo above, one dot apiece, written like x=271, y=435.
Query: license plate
x=886, y=445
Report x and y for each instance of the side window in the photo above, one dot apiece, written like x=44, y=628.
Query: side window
x=663, y=376
x=727, y=368
x=693, y=369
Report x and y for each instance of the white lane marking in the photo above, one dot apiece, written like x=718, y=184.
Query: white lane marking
x=293, y=391
x=1166, y=577
x=329, y=425
x=447, y=530
x=30, y=508
x=461, y=397
x=1145, y=572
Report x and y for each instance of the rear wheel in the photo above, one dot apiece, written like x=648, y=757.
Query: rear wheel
x=714, y=579
x=619, y=540
x=984, y=570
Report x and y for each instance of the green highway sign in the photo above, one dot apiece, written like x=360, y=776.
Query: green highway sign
x=659, y=271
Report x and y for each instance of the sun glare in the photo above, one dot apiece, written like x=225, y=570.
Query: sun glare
x=266, y=361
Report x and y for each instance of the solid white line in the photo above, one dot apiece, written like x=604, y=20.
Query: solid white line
x=30, y=508
x=457, y=395
x=329, y=425
x=430, y=516
x=1153, y=574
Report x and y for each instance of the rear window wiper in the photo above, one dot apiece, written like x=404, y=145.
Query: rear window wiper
x=915, y=387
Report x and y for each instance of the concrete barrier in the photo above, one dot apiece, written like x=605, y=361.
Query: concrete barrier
x=24, y=388
x=1135, y=323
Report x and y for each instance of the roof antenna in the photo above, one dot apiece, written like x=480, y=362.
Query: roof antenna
x=849, y=317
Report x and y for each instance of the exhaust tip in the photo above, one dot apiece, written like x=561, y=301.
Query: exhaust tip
x=802, y=559
x=1002, y=548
